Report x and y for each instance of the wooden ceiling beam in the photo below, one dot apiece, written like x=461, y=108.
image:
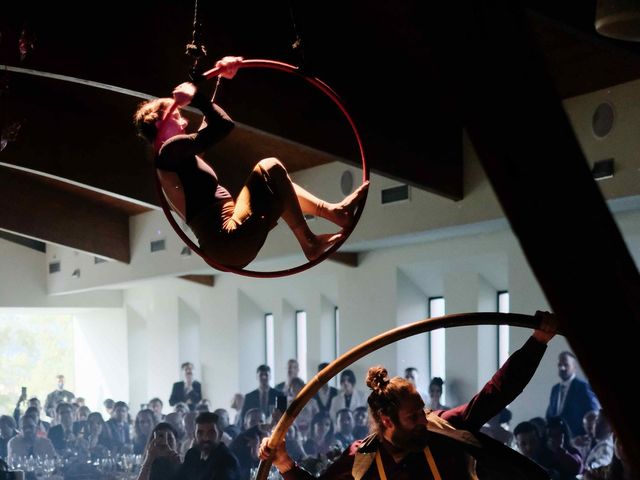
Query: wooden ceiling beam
x=38, y=209
x=206, y=280
x=350, y=259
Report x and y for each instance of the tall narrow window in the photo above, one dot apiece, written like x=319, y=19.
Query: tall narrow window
x=269, y=340
x=336, y=330
x=503, y=330
x=437, y=341
x=301, y=342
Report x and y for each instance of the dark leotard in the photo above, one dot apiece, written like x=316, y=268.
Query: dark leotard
x=229, y=232
x=178, y=154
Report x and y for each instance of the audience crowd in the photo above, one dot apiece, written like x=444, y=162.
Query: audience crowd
x=192, y=439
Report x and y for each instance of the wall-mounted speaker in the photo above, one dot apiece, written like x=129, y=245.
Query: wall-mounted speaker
x=346, y=182
x=602, y=120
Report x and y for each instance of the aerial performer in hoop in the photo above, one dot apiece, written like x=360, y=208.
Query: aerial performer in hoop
x=231, y=231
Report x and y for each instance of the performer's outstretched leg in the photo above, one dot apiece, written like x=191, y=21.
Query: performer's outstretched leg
x=312, y=245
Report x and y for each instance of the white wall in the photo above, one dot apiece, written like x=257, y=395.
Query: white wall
x=101, y=356
x=144, y=342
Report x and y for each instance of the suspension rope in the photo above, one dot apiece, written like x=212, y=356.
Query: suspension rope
x=196, y=49
x=298, y=44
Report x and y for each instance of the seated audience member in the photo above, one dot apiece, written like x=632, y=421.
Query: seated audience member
x=61, y=435
x=602, y=452
x=303, y=420
x=187, y=390
x=436, y=387
x=7, y=432
x=558, y=464
x=348, y=396
x=27, y=443
x=245, y=448
x=264, y=397
x=82, y=413
x=344, y=430
x=559, y=442
x=326, y=394
x=620, y=467
x=253, y=418
x=109, y=404
x=81, y=418
x=119, y=430
x=42, y=427
x=143, y=427
x=584, y=443
x=361, y=422
x=321, y=439
x=176, y=420
x=209, y=458
x=541, y=424
x=155, y=405
x=161, y=459
x=204, y=405
x=181, y=407
x=229, y=432
x=32, y=402
x=97, y=436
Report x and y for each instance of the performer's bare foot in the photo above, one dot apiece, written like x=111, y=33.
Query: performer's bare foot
x=343, y=213
x=316, y=245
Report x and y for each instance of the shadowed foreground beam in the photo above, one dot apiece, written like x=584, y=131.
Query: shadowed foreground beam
x=38, y=209
x=541, y=177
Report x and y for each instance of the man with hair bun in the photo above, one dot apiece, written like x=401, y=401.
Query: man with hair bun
x=411, y=442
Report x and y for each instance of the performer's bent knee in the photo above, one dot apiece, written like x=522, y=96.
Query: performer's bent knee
x=271, y=164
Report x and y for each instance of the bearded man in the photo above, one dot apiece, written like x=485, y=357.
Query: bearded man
x=410, y=442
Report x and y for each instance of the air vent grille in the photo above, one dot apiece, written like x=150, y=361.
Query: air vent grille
x=54, y=267
x=394, y=194
x=157, y=245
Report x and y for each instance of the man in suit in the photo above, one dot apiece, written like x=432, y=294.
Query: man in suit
x=572, y=397
x=264, y=397
x=188, y=391
x=209, y=458
x=61, y=435
x=118, y=426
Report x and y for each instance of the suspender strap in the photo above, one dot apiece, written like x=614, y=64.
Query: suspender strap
x=432, y=464
x=427, y=454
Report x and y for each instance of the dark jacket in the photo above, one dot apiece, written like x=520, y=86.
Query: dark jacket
x=580, y=400
x=220, y=465
x=191, y=399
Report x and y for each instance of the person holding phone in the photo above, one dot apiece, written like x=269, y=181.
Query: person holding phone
x=161, y=458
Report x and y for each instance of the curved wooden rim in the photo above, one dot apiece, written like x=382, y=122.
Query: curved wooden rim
x=379, y=341
x=328, y=91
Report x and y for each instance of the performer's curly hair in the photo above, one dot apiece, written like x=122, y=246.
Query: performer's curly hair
x=386, y=394
x=146, y=116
